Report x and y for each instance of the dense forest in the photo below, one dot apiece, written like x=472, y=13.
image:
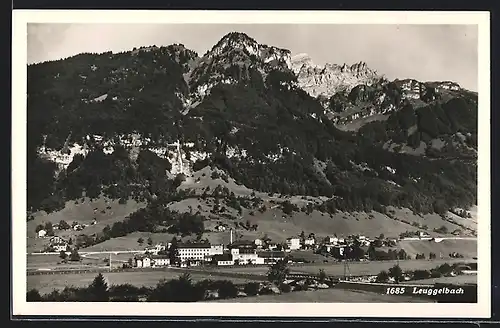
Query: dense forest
x=291, y=146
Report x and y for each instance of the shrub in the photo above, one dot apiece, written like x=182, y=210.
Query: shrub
x=251, y=288
x=266, y=291
x=285, y=288
x=421, y=274
x=227, y=289
x=33, y=296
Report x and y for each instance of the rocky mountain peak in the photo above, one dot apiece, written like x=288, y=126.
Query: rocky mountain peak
x=235, y=41
x=331, y=78
x=301, y=60
x=232, y=59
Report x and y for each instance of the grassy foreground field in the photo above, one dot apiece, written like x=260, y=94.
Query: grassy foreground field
x=326, y=296
x=47, y=283
x=458, y=280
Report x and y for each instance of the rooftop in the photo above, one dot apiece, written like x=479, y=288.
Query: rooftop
x=241, y=243
x=140, y=257
x=270, y=254
x=194, y=245
x=223, y=257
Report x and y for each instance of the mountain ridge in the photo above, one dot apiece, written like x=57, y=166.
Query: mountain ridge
x=136, y=124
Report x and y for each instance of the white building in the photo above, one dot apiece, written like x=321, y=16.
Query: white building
x=258, y=242
x=272, y=246
x=42, y=233
x=310, y=241
x=221, y=228
x=223, y=259
x=293, y=243
x=332, y=240
x=216, y=249
x=329, y=247
x=423, y=234
x=244, y=252
x=56, y=240
x=160, y=261
x=60, y=247
x=156, y=249
x=194, y=252
x=143, y=262
x=270, y=257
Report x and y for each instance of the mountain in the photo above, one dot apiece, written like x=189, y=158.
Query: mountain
x=331, y=79
x=143, y=123
x=236, y=57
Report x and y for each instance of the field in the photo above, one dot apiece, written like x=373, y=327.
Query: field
x=355, y=268
x=458, y=280
x=308, y=255
x=326, y=296
x=433, y=221
x=129, y=242
x=50, y=261
x=279, y=227
x=47, y=282
x=468, y=248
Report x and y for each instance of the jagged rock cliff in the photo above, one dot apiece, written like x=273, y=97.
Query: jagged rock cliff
x=331, y=78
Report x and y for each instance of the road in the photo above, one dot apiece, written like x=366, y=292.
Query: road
x=438, y=239
x=90, y=253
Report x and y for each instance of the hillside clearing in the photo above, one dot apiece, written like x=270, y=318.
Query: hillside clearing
x=130, y=242
x=104, y=210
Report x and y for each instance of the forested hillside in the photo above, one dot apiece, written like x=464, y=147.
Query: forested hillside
x=253, y=120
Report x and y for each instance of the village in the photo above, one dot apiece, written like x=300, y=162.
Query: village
x=257, y=252
x=260, y=251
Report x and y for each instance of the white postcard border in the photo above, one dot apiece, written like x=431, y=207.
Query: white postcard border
x=355, y=310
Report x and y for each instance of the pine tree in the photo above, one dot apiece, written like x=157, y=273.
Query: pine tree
x=396, y=273
x=74, y=255
x=383, y=276
x=98, y=289
x=173, y=252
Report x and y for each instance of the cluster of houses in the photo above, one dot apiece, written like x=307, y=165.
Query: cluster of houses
x=296, y=243
x=194, y=254
x=42, y=233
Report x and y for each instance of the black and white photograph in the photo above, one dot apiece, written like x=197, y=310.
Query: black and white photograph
x=290, y=160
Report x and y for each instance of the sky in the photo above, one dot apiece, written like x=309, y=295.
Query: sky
x=422, y=52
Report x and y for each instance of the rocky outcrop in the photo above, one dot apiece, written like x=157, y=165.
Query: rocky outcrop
x=330, y=79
